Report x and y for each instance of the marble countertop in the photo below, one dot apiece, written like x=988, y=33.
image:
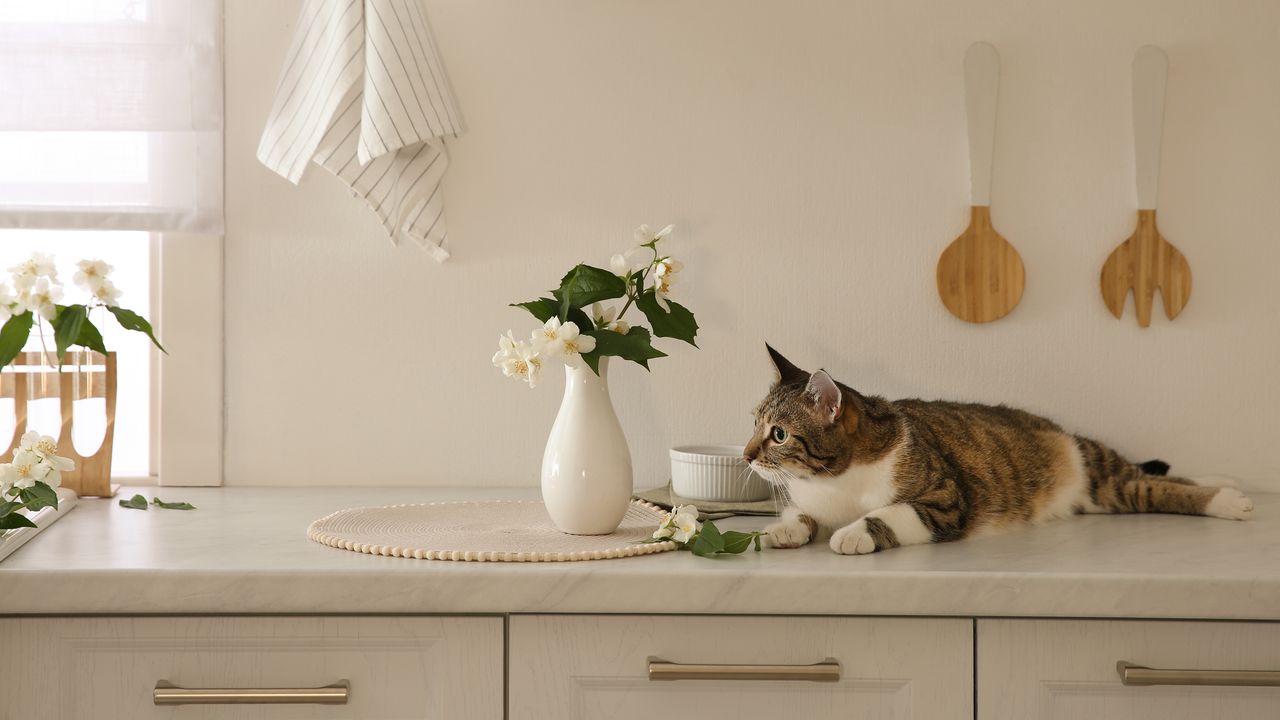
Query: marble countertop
x=245, y=551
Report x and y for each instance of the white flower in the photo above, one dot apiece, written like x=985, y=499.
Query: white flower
x=7, y=301
x=518, y=359
x=625, y=265
x=645, y=236
x=664, y=278
x=26, y=469
x=107, y=294
x=46, y=448
x=549, y=336
x=604, y=319
x=573, y=344
x=42, y=298
x=37, y=266
x=681, y=524
x=92, y=274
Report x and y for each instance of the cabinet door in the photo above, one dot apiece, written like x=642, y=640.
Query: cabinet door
x=1066, y=669
x=107, y=668
x=592, y=667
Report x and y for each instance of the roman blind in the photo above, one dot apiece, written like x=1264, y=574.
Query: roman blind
x=111, y=115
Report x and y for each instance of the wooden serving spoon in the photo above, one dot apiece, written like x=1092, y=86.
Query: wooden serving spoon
x=980, y=275
x=1146, y=261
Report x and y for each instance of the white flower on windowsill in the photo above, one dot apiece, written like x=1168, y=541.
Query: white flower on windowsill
x=42, y=298
x=28, y=271
x=25, y=470
x=92, y=274
x=107, y=294
x=45, y=448
x=7, y=302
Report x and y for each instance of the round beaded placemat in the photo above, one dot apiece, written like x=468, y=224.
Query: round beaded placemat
x=485, y=531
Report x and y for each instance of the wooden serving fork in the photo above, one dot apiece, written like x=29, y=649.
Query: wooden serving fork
x=1146, y=261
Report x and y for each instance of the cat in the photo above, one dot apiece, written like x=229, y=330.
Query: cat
x=879, y=474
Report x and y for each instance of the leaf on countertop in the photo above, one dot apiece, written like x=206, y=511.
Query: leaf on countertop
x=137, y=502
x=709, y=541
x=173, y=505
x=737, y=542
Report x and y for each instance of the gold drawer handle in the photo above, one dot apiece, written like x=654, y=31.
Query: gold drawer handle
x=1131, y=674
x=168, y=694
x=826, y=671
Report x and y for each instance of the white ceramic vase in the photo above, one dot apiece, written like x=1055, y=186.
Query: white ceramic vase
x=586, y=468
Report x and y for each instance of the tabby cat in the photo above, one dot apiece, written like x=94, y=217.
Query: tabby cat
x=878, y=474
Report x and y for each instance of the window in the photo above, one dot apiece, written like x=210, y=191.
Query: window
x=130, y=255
x=111, y=149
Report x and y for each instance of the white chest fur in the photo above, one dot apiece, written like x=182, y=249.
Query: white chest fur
x=837, y=501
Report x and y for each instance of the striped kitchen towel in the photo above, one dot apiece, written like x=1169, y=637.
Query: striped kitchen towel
x=363, y=95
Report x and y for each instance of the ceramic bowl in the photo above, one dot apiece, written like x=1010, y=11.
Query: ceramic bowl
x=715, y=472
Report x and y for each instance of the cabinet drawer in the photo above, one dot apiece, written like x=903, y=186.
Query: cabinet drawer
x=1067, y=669
x=599, y=667
x=108, y=668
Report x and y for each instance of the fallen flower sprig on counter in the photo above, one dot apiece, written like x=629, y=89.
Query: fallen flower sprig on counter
x=30, y=481
x=705, y=540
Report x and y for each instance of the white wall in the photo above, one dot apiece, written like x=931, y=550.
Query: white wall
x=813, y=155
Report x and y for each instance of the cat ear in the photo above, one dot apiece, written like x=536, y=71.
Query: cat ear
x=783, y=370
x=826, y=395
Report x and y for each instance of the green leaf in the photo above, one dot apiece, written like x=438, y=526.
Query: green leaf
x=14, y=521
x=678, y=323
x=172, y=505
x=13, y=336
x=90, y=337
x=67, y=325
x=543, y=308
x=585, y=284
x=636, y=346
x=137, y=502
x=9, y=506
x=737, y=542
x=39, y=496
x=709, y=541
x=130, y=320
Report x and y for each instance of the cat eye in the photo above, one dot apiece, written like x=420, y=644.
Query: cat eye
x=779, y=435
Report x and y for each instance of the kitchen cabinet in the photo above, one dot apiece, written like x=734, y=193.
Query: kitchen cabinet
x=598, y=666
x=1054, y=669
x=100, y=668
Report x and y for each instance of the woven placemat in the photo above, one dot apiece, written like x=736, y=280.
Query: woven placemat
x=488, y=531
x=665, y=497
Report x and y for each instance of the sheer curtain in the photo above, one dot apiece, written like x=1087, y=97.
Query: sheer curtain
x=111, y=115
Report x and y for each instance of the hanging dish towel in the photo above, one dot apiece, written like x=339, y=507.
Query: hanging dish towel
x=363, y=95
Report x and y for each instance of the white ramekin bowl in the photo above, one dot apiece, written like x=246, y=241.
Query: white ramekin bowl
x=715, y=472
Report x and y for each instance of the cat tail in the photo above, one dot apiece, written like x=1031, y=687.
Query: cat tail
x=1118, y=486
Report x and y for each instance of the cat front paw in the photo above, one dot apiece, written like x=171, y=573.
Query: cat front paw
x=1231, y=504
x=853, y=540
x=786, y=534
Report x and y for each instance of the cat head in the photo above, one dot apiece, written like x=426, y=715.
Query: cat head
x=806, y=427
